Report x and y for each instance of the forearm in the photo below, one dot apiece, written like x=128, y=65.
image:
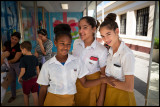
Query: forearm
x=123, y=86
x=21, y=74
x=102, y=90
x=16, y=58
x=37, y=69
x=102, y=93
x=42, y=49
x=36, y=54
x=12, y=61
x=37, y=73
x=91, y=83
x=42, y=95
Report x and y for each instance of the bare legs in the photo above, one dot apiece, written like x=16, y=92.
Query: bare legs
x=35, y=99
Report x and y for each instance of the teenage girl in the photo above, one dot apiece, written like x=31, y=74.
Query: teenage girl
x=59, y=74
x=94, y=56
x=120, y=66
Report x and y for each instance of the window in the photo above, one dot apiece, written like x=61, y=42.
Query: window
x=123, y=24
x=142, y=21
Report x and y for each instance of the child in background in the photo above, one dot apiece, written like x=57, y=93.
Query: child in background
x=29, y=73
x=61, y=72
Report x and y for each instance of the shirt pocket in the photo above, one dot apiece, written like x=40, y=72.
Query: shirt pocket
x=74, y=74
x=92, y=65
x=117, y=72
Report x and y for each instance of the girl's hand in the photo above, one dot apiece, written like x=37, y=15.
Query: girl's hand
x=112, y=79
x=39, y=40
x=102, y=75
x=108, y=81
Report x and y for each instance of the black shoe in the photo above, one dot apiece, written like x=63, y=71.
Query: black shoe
x=11, y=99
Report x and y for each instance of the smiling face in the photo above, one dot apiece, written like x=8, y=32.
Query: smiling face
x=63, y=45
x=14, y=40
x=85, y=30
x=110, y=37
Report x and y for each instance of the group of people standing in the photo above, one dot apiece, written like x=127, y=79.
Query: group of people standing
x=18, y=56
x=91, y=76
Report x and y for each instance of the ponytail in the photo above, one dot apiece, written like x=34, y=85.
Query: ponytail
x=109, y=22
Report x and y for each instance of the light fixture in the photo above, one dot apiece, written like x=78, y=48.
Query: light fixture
x=22, y=8
x=64, y=6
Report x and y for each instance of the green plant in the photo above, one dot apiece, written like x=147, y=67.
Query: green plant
x=156, y=43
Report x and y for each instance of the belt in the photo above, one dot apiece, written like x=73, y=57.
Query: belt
x=30, y=78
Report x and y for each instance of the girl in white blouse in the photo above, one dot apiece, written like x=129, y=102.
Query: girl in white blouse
x=94, y=57
x=120, y=66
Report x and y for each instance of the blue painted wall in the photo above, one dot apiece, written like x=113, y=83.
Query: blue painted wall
x=9, y=19
x=70, y=18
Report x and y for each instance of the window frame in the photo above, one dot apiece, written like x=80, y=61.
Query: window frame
x=123, y=20
x=142, y=20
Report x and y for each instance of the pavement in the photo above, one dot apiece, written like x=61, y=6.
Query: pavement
x=140, y=84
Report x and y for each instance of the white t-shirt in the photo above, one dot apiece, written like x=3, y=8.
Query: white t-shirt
x=93, y=56
x=62, y=78
x=121, y=63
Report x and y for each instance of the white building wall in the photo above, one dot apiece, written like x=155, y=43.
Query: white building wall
x=131, y=11
x=131, y=36
x=131, y=24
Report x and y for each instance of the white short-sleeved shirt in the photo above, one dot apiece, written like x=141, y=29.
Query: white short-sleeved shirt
x=93, y=56
x=62, y=78
x=121, y=63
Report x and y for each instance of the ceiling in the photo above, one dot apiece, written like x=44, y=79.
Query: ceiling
x=55, y=6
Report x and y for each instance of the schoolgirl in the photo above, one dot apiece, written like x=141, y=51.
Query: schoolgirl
x=120, y=66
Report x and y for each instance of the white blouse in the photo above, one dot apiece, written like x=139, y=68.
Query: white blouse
x=62, y=78
x=121, y=63
x=94, y=56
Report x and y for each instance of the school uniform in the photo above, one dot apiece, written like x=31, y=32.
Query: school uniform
x=61, y=80
x=118, y=65
x=94, y=57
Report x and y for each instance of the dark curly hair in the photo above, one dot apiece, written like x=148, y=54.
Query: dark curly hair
x=61, y=30
x=43, y=32
x=16, y=34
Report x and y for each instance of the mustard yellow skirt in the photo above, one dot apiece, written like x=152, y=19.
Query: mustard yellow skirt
x=87, y=96
x=59, y=100
x=117, y=97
